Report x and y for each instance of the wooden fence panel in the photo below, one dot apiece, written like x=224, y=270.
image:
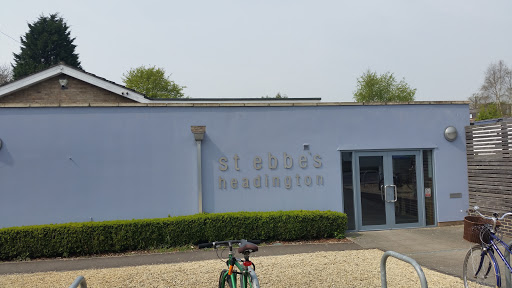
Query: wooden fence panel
x=489, y=156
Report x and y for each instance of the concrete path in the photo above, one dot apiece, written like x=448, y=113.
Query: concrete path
x=69, y=264
x=441, y=248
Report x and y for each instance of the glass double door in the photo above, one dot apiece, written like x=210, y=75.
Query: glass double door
x=388, y=185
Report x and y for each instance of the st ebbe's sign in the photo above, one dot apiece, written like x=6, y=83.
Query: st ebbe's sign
x=269, y=171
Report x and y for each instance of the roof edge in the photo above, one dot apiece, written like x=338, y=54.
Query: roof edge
x=223, y=104
x=219, y=100
x=59, y=69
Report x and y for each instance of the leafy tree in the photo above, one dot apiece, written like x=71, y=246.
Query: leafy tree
x=5, y=74
x=152, y=82
x=47, y=43
x=488, y=111
x=382, y=88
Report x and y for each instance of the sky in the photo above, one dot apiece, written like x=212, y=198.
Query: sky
x=298, y=48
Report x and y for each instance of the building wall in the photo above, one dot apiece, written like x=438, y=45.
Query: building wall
x=74, y=164
x=49, y=91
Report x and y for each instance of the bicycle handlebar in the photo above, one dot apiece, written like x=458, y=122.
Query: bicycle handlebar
x=495, y=215
x=226, y=243
x=205, y=245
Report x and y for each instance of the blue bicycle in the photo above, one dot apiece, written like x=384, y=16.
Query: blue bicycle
x=481, y=267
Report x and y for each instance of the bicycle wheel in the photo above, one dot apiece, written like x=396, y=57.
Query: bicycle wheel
x=473, y=277
x=227, y=283
x=251, y=279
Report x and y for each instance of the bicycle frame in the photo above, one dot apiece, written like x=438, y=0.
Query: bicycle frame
x=244, y=271
x=489, y=249
x=245, y=268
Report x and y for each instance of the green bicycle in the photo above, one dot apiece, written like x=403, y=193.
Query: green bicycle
x=245, y=268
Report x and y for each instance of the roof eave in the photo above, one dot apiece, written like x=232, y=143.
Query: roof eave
x=63, y=69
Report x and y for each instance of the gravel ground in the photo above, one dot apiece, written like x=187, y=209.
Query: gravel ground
x=355, y=268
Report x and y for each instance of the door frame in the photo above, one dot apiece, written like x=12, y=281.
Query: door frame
x=388, y=177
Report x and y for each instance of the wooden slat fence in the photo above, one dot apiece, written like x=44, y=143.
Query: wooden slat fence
x=489, y=155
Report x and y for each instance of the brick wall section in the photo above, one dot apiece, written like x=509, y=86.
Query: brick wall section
x=49, y=91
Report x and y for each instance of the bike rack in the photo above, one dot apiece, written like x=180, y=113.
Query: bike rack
x=383, y=280
x=80, y=280
x=508, y=283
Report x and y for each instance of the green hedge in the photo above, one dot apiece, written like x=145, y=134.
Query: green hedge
x=88, y=238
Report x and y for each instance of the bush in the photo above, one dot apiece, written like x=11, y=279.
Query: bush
x=88, y=238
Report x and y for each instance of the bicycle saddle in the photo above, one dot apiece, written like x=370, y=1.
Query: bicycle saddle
x=248, y=247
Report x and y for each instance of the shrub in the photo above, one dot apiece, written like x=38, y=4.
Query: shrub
x=88, y=238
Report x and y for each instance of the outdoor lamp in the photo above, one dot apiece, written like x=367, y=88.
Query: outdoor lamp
x=450, y=133
x=63, y=83
x=0, y=143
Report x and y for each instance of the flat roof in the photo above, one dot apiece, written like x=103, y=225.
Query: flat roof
x=226, y=103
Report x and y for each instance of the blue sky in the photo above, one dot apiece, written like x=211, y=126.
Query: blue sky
x=247, y=49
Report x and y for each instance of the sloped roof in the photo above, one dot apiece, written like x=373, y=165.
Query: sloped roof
x=123, y=91
x=75, y=73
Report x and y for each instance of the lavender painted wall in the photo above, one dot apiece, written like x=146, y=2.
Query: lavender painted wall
x=72, y=164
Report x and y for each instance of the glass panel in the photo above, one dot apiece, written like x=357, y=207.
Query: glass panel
x=348, y=189
x=428, y=183
x=373, y=207
x=404, y=177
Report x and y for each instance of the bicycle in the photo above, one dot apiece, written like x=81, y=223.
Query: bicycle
x=480, y=264
x=245, y=268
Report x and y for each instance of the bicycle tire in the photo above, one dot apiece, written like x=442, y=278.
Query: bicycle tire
x=253, y=280
x=486, y=277
x=227, y=280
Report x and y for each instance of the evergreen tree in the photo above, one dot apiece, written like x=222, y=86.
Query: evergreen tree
x=488, y=111
x=47, y=43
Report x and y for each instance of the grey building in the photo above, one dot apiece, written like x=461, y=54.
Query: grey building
x=385, y=165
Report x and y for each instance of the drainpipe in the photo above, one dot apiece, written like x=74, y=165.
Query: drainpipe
x=199, y=136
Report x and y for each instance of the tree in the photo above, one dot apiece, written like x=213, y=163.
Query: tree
x=278, y=96
x=152, y=82
x=488, y=111
x=47, y=43
x=382, y=88
x=497, y=86
x=477, y=100
x=5, y=74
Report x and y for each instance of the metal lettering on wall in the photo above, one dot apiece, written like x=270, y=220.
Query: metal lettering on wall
x=274, y=164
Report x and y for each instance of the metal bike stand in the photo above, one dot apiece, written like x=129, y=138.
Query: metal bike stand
x=508, y=283
x=80, y=280
x=383, y=280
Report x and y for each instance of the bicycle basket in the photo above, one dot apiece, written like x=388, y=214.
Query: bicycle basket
x=476, y=229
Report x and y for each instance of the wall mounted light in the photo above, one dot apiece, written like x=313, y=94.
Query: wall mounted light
x=63, y=83
x=0, y=143
x=450, y=133
x=306, y=146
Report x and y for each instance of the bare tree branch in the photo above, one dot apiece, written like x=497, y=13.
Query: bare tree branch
x=497, y=85
x=5, y=74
